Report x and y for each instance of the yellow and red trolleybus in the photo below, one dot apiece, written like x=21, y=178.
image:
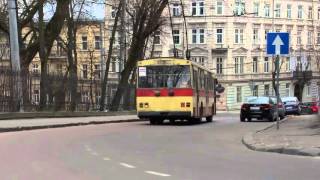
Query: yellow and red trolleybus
x=174, y=89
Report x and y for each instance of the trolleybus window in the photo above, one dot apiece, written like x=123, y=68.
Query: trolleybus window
x=165, y=76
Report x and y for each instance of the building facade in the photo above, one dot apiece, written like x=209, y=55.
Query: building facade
x=229, y=37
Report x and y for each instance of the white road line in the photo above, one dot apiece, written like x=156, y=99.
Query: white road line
x=127, y=165
x=157, y=174
x=106, y=159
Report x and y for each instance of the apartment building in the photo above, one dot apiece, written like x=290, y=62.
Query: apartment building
x=229, y=37
x=90, y=60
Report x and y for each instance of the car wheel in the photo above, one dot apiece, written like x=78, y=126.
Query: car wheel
x=242, y=119
x=249, y=119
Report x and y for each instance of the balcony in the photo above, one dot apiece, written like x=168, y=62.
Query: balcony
x=302, y=75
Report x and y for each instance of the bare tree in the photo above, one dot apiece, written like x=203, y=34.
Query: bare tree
x=112, y=38
x=146, y=16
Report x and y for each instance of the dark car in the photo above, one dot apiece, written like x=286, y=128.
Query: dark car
x=310, y=107
x=292, y=105
x=282, y=110
x=259, y=108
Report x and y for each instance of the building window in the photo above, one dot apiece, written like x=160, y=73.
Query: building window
x=278, y=10
x=318, y=38
x=256, y=9
x=255, y=36
x=266, y=64
x=267, y=10
x=318, y=13
x=219, y=7
x=310, y=38
x=287, y=89
x=197, y=36
x=300, y=11
x=97, y=43
x=239, y=65
x=59, y=68
x=239, y=7
x=239, y=94
x=156, y=37
x=255, y=90
x=36, y=96
x=289, y=7
x=255, y=64
x=310, y=11
x=219, y=36
x=97, y=71
x=85, y=97
x=299, y=38
x=308, y=66
x=35, y=68
x=84, y=43
x=288, y=64
x=238, y=36
x=176, y=9
x=198, y=59
x=266, y=89
x=266, y=31
x=176, y=36
x=114, y=64
x=85, y=71
x=197, y=8
x=219, y=65
x=308, y=92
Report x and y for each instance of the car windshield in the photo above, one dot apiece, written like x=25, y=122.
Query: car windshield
x=289, y=99
x=164, y=76
x=257, y=100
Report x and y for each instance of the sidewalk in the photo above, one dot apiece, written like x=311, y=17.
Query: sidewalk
x=42, y=123
x=298, y=135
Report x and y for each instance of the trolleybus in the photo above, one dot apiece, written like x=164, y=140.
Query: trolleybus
x=174, y=89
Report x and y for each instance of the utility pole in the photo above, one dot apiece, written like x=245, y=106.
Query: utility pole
x=122, y=37
x=14, y=48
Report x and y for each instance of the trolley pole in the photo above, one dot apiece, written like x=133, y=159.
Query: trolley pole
x=14, y=48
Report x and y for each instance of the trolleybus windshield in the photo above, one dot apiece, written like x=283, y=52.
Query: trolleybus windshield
x=164, y=77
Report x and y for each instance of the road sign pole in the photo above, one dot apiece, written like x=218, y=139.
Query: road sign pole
x=277, y=63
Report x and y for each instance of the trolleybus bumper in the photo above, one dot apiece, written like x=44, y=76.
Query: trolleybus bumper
x=164, y=114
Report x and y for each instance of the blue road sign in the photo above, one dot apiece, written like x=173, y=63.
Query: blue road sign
x=278, y=43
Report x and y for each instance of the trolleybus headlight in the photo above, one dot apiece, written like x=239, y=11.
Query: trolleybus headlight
x=188, y=104
x=146, y=105
x=183, y=104
x=141, y=105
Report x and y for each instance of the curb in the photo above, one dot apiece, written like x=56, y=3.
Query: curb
x=250, y=143
x=37, y=115
x=27, y=128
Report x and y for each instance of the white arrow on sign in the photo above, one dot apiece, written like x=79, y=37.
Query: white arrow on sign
x=278, y=43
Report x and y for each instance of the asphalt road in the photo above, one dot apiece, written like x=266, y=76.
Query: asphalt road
x=139, y=151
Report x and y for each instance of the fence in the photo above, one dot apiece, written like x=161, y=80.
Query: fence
x=57, y=96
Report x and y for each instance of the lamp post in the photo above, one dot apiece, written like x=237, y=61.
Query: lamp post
x=14, y=49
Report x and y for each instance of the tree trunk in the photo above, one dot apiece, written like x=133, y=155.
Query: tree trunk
x=135, y=53
x=105, y=79
x=43, y=60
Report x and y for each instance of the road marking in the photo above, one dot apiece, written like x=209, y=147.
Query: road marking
x=106, y=159
x=94, y=153
x=317, y=157
x=127, y=165
x=157, y=174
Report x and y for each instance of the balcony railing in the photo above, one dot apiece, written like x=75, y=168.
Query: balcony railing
x=302, y=75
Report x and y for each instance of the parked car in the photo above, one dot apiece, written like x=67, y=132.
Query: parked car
x=282, y=110
x=259, y=108
x=292, y=105
x=310, y=107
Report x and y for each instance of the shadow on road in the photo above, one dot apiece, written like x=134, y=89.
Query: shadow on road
x=178, y=123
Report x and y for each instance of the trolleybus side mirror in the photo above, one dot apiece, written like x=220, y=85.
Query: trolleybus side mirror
x=219, y=88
